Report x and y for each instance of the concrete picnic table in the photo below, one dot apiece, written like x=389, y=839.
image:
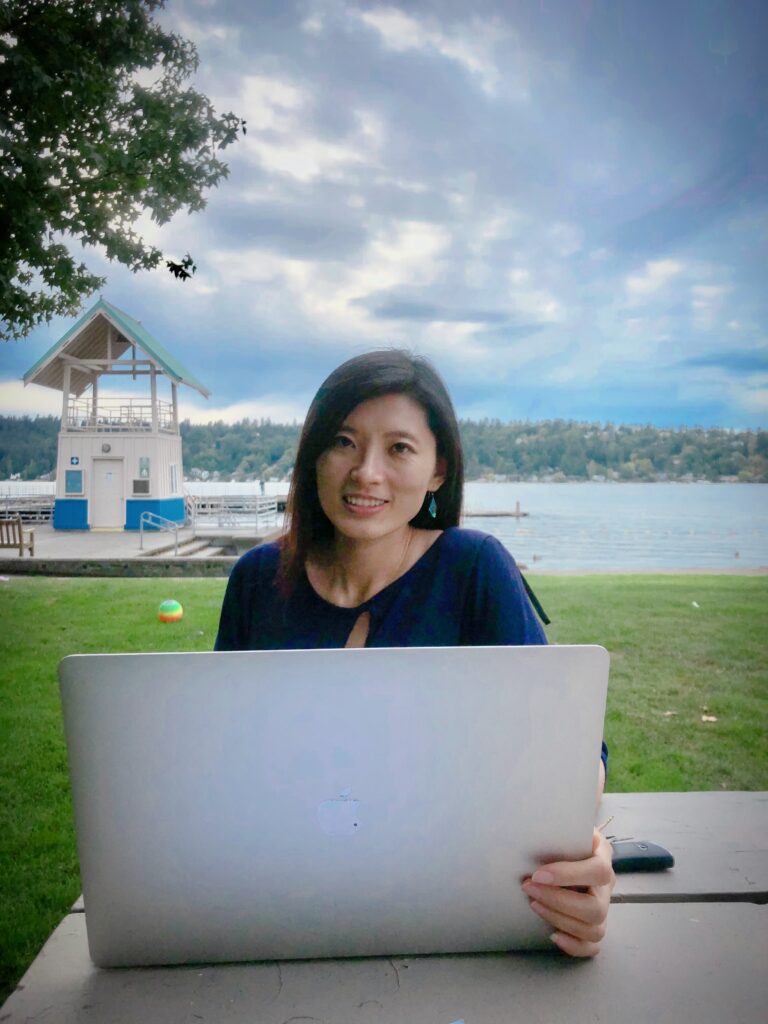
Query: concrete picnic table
x=689, y=944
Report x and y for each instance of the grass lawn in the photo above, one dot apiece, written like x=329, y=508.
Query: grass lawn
x=679, y=645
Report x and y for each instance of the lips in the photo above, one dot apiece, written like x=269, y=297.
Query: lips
x=359, y=501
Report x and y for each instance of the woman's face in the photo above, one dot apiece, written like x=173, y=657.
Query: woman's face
x=372, y=479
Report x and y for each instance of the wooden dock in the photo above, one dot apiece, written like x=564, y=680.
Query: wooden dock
x=515, y=513
x=232, y=510
x=228, y=509
x=33, y=508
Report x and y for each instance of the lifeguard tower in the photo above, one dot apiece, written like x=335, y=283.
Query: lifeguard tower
x=118, y=456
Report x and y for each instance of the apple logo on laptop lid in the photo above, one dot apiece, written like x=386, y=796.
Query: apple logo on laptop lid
x=339, y=817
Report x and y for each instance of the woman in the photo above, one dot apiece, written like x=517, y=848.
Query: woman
x=374, y=557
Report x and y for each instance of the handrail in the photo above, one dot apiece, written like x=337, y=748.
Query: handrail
x=33, y=508
x=190, y=510
x=230, y=509
x=159, y=523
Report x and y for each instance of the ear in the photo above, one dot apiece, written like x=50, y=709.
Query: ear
x=439, y=478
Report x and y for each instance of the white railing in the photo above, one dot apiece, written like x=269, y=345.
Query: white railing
x=113, y=415
x=33, y=508
x=229, y=510
x=156, y=522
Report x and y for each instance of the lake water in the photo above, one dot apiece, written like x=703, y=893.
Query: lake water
x=628, y=526
x=588, y=526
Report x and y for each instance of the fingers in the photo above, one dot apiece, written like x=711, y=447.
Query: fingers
x=574, y=897
x=565, y=925
x=578, y=936
x=575, y=947
x=593, y=871
x=589, y=908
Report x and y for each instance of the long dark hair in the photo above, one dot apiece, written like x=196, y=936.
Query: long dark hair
x=382, y=372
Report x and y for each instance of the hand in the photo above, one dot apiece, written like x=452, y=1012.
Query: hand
x=574, y=896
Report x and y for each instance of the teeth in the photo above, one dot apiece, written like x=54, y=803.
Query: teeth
x=365, y=502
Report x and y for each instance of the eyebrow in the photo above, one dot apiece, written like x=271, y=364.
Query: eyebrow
x=402, y=433
x=390, y=433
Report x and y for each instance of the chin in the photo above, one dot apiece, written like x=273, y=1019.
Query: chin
x=367, y=529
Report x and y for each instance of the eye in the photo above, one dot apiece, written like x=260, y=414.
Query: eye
x=401, y=448
x=341, y=441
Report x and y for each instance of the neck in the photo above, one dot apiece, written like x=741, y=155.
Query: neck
x=356, y=570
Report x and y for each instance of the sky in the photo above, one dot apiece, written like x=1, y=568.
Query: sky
x=562, y=203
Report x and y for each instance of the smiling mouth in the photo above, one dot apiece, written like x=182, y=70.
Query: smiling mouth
x=363, y=502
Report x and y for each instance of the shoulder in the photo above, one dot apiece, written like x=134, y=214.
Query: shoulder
x=474, y=546
x=498, y=609
x=258, y=565
x=251, y=588
x=478, y=558
x=484, y=562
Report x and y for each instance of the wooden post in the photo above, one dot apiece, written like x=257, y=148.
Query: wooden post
x=153, y=392
x=175, y=401
x=95, y=400
x=65, y=399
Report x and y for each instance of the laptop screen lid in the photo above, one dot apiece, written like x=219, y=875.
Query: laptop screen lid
x=287, y=804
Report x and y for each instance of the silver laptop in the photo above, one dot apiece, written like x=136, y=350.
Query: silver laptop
x=289, y=804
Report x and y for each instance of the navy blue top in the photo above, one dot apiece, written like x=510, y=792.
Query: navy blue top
x=465, y=591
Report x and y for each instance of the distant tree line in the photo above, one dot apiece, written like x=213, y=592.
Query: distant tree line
x=594, y=451
x=28, y=446
x=552, y=449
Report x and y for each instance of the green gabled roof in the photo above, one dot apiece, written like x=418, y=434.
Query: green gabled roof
x=131, y=330
x=153, y=348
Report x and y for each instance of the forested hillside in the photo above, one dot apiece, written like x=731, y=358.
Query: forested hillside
x=28, y=446
x=559, y=449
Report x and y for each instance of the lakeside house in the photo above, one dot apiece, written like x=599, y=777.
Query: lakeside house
x=119, y=456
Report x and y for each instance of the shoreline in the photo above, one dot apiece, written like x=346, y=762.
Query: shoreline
x=49, y=486
x=116, y=553
x=221, y=566
x=761, y=570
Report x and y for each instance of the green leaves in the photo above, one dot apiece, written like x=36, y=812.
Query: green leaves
x=184, y=270
x=85, y=149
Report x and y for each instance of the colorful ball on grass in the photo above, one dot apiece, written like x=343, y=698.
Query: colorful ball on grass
x=170, y=611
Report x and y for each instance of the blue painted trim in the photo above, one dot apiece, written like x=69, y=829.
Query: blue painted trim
x=168, y=508
x=70, y=514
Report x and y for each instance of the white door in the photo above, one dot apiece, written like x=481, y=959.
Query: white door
x=107, y=501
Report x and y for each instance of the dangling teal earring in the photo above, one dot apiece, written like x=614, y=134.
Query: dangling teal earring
x=432, y=507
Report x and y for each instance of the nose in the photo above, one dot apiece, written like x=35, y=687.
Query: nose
x=368, y=467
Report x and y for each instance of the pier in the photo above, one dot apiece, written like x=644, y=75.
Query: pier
x=230, y=510
x=515, y=513
x=33, y=508
x=226, y=510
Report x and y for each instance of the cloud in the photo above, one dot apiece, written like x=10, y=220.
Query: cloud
x=18, y=400
x=470, y=44
x=277, y=408
x=330, y=294
x=303, y=230
x=529, y=301
x=733, y=361
x=706, y=301
x=745, y=394
x=284, y=135
x=566, y=239
x=753, y=399
x=545, y=200
x=271, y=103
x=654, y=277
x=306, y=158
x=397, y=308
